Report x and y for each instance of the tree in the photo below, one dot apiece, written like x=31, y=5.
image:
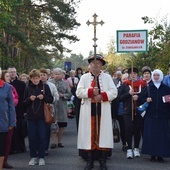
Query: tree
x=113, y=59
x=159, y=53
x=38, y=29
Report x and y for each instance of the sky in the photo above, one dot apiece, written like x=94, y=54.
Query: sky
x=116, y=15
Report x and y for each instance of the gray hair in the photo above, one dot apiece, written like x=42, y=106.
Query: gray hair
x=56, y=70
x=72, y=71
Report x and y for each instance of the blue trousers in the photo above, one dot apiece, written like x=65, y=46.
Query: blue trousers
x=37, y=138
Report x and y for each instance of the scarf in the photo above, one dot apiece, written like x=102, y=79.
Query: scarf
x=1, y=83
x=157, y=83
x=137, y=84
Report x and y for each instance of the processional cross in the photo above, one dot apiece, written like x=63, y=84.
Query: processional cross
x=95, y=23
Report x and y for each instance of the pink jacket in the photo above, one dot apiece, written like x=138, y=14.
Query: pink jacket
x=15, y=95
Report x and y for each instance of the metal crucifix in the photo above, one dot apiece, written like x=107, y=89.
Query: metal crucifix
x=95, y=23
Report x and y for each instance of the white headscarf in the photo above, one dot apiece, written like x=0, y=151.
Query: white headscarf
x=157, y=83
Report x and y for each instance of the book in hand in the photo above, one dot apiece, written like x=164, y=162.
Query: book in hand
x=166, y=98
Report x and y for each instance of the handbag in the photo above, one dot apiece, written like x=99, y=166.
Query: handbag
x=116, y=132
x=54, y=128
x=70, y=109
x=48, y=111
x=142, y=108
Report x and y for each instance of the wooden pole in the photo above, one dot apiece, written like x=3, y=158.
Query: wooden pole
x=132, y=84
x=95, y=23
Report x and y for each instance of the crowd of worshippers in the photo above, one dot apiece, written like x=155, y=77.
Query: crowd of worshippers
x=140, y=134
x=26, y=111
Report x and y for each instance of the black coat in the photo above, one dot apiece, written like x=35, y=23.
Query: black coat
x=35, y=109
x=157, y=109
x=156, y=139
x=20, y=88
x=126, y=98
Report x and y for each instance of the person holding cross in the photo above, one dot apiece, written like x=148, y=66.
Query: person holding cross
x=130, y=95
x=96, y=91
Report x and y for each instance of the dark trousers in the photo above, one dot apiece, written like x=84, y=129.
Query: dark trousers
x=122, y=128
x=37, y=138
x=8, y=144
x=3, y=137
x=48, y=134
x=133, y=129
x=18, y=141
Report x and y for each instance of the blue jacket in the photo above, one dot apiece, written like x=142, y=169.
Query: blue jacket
x=7, y=108
x=166, y=80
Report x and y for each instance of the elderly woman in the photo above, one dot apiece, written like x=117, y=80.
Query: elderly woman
x=61, y=106
x=7, y=116
x=156, y=139
x=72, y=81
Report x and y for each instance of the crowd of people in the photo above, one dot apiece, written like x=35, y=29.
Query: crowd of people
x=98, y=98
x=22, y=111
x=153, y=127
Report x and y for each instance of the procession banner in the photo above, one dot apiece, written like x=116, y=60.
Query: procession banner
x=67, y=65
x=132, y=40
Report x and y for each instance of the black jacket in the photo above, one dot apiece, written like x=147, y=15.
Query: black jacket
x=35, y=109
x=20, y=88
x=126, y=98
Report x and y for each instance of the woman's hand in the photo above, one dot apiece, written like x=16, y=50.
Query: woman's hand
x=40, y=96
x=32, y=97
x=10, y=127
x=149, y=100
x=135, y=97
x=61, y=95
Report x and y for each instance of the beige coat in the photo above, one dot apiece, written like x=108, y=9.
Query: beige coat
x=84, y=129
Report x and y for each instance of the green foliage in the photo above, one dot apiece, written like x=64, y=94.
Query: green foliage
x=77, y=61
x=159, y=53
x=38, y=28
x=113, y=59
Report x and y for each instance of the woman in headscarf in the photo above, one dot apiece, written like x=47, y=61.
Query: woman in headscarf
x=156, y=138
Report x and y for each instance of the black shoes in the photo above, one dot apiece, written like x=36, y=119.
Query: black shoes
x=60, y=145
x=153, y=158
x=53, y=146
x=124, y=148
x=159, y=159
x=7, y=166
x=89, y=165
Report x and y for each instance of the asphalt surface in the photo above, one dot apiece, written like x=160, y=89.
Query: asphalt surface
x=67, y=158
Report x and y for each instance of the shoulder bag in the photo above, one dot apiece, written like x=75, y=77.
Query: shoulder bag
x=48, y=111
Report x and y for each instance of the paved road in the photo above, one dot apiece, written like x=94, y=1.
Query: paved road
x=67, y=158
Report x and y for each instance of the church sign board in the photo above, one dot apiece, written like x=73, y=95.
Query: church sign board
x=132, y=40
